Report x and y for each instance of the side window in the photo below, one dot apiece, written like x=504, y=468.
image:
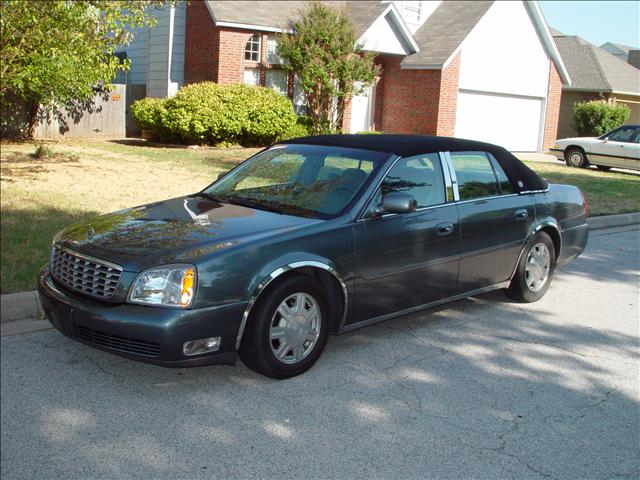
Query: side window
x=503, y=180
x=623, y=134
x=476, y=178
x=419, y=176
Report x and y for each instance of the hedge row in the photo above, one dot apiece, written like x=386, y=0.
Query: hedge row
x=209, y=113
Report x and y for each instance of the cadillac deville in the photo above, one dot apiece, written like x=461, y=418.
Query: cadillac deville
x=310, y=237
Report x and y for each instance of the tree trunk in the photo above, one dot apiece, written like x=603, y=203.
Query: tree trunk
x=33, y=118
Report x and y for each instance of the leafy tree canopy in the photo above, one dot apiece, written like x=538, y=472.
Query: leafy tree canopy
x=57, y=51
x=329, y=64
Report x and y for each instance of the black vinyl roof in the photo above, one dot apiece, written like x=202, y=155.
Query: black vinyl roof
x=521, y=176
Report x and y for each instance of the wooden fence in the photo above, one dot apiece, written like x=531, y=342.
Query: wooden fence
x=105, y=115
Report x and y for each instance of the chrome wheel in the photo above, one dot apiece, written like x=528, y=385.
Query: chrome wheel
x=537, y=267
x=576, y=159
x=295, y=328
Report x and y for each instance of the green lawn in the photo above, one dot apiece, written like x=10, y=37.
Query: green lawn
x=606, y=192
x=89, y=177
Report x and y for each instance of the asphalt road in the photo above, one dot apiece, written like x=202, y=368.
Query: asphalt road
x=482, y=388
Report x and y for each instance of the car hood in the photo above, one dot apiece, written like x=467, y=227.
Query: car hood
x=178, y=230
x=576, y=140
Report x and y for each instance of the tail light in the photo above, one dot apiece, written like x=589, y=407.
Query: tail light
x=584, y=204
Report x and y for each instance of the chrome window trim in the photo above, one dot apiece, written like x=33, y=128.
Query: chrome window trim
x=279, y=271
x=484, y=199
x=89, y=258
x=454, y=178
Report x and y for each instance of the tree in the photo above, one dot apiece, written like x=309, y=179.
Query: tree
x=58, y=51
x=330, y=66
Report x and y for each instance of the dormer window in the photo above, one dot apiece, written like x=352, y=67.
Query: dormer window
x=252, y=49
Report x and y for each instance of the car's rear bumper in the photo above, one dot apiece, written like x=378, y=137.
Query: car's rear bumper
x=557, y=152
x=149, y=334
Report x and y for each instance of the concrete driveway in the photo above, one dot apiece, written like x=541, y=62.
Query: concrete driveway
x=482, y=388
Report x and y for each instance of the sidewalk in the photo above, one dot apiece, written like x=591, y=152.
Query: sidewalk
x=22, y=313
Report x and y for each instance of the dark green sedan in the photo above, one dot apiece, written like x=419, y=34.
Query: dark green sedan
x=309, y=237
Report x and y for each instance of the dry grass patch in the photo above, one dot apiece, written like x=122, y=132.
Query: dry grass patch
x=84, y=179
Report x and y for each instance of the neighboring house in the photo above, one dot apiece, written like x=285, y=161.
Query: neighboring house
x=595, y=74
x=481, y=70
x=623, y=52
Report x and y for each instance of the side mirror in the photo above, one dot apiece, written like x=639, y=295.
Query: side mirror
x=399, y=203
x=221, y=175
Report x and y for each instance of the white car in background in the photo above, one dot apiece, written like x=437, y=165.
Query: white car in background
x=619, y=148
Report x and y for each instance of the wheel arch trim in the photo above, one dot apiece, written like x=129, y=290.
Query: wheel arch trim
x=548, y=223
x=266, y=281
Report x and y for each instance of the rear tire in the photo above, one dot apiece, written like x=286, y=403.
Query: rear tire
x=534, y=271
x=287, y=329
x=603, y=168
x=575, y=157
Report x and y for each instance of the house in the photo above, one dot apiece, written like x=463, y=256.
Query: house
x=623, y=52
x=595, y=74
x=481, y=70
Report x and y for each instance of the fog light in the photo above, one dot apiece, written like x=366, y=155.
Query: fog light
x=203, y=345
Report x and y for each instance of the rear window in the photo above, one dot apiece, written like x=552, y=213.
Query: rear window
x=476, y=178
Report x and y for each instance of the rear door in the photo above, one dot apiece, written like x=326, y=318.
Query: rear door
x=494, y=220
x=410, y=259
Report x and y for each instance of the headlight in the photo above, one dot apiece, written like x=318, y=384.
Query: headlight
x=169, y=286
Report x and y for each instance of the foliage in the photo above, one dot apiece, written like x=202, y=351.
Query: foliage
x=369, y=132
x=43, y=151
x=329, y=64
x=302, y=128
x=55, y=52
x=596, y=117
x=210, y=113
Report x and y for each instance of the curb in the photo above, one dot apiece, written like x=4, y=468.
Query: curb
x=609, y=221
x=22, y=312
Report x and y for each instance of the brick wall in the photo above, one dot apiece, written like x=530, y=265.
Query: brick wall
x=202, y=45
x=448, y=100
x=554, y=95
x=215, y=53
x=416, y=101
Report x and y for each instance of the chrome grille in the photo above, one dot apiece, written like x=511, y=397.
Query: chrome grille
x=135, y=346
x=84, y=274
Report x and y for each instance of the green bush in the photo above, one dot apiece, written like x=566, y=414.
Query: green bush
x=209, y=113
x=148, y=112
x=302, y=128
x=596, y=117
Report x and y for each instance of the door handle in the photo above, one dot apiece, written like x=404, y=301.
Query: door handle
x=521, y=214
x=443, y=229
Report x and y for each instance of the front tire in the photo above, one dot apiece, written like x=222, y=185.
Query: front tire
x=535, y=270
x=288, y=328
x=575, y=157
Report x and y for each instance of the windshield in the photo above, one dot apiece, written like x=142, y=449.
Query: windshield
x=303, y=180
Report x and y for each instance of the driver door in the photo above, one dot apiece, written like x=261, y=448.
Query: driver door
x=612, y=150
x=409, y=259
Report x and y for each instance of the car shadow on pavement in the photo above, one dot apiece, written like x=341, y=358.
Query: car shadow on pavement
x=480, y=388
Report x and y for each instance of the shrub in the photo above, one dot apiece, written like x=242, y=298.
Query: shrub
x=302, y=128
x=209, y=113
x=43, y=151
x=148, y=112
x=596, y=117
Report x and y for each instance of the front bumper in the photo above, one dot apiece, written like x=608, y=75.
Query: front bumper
x=558, y=153
x=149, y=334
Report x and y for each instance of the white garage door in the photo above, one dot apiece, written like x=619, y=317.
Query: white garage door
x=512, y=122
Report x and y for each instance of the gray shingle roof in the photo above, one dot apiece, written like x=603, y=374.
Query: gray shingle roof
x=444, y=31
x=592, y=68
x=619, y=46
x=280, y=14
